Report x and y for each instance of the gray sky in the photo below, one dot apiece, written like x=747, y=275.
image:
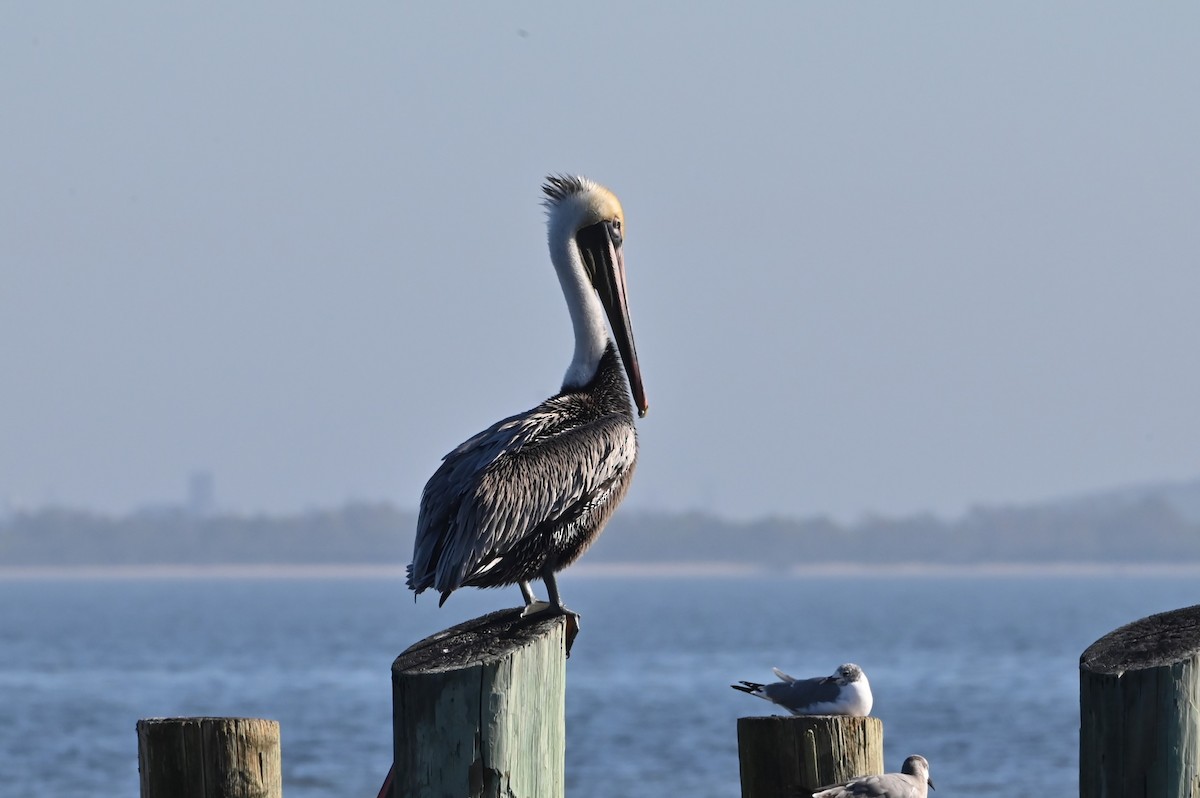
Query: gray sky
x=882, y=257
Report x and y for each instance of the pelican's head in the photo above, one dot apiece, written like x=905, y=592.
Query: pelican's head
x=588, y=217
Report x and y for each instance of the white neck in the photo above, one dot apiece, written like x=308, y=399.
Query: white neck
x=860, y=697
x=587, y=314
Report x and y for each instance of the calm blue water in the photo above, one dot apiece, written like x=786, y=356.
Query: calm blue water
x=979, y=674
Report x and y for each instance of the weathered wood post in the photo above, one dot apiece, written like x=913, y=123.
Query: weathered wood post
x=479, y=710
x=788, y=756
x=1139, y=709
x=209, y=758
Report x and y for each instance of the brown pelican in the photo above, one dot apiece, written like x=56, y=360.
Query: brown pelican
x=525, y=497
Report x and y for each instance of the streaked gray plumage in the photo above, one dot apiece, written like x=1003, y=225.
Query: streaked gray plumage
x=911, y=782
x=526, y=497
x=846, y=692
x=530, y=492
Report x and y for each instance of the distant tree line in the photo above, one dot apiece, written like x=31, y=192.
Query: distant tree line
x=1145, y=531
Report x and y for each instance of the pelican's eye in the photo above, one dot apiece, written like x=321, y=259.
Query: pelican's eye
x=614, y=230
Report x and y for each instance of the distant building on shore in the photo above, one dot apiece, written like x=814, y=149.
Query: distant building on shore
x=201, y=494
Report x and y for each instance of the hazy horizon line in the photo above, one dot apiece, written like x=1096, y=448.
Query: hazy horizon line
x=10, y=508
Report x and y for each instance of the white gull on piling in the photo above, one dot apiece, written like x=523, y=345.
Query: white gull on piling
x=846, y=692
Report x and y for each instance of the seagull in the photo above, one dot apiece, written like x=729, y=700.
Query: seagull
x=846, y=692
x=910, y=782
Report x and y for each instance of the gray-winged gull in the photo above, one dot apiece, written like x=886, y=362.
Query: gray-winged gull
x=910, y=782
x=846, y=692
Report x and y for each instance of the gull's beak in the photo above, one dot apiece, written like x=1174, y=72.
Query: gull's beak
x=931, y=784
x=600, y=245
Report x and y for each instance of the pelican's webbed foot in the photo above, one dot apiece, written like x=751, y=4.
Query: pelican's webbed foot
x=535, y=606
x=539, y=607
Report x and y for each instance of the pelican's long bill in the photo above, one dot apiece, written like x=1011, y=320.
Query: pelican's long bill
x=600, y=245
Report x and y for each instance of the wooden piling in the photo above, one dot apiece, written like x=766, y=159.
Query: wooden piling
x=1139, y=708
x=785, y=756
x=479, y=710
x=209, y=758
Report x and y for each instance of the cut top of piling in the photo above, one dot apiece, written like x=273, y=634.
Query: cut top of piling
x=480, y=641
x=1153, y=642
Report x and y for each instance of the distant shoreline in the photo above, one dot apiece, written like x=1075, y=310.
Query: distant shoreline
x=601, y=571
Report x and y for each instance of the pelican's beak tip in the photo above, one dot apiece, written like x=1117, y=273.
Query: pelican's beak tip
x=643, y=411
